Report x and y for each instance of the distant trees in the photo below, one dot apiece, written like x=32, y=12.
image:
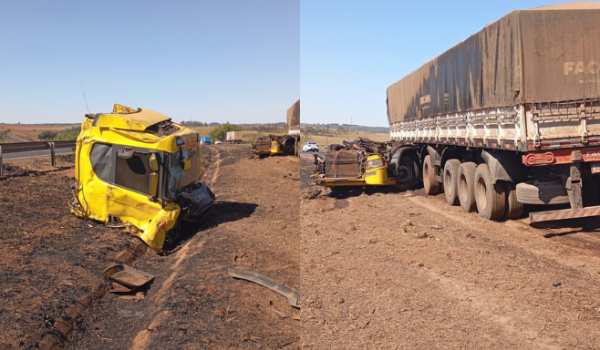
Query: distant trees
x=219, y=132
x=193, y=123
x=47, y=135
x=62, y=135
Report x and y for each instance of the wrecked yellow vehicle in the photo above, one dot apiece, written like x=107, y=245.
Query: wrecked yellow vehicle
x=137, y=169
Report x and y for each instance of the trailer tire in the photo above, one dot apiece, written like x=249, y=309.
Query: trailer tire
x=490, y=198
x=430, y=186
x=451, y=181
x=466, y=187
x=514, y=208
x=334, y=147
x=406, y=174
x=542, y=193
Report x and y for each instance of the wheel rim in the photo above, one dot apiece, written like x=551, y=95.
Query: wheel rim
x=481, y=194
x=426, y=174
x=404, y=174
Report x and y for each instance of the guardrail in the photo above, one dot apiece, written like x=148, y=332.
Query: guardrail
x=33, y=146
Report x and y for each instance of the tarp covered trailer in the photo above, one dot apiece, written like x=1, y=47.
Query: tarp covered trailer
x=525, y=89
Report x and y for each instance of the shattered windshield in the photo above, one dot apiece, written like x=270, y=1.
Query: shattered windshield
x=177, y=177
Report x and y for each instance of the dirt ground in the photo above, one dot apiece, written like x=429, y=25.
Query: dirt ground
x=405, y=271
x=51, y=260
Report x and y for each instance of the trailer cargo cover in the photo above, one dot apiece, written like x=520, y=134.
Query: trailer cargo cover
x=293, y=115
x=545, y=54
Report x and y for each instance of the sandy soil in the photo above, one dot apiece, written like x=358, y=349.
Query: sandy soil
x=52, y=261
x=404, y=271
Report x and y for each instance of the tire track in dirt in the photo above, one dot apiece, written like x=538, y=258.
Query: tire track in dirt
x=144, y=337
x=526, y=243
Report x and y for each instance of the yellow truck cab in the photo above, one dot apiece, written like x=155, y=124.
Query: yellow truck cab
x=363, y=162
x=344, y=171
x=138, y=169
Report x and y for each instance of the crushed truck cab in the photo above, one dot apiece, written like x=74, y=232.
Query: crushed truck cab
x=137, y=169
x=358, y=163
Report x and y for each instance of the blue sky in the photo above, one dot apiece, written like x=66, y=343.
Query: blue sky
x=351, y=51
x=228, y=60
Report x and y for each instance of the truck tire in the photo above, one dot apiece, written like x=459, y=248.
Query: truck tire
x=451, y=181
x=288, y=149
x=334, y=147
x=466, y=188
x=406, y=173
x=541, y=193
x=490, y=198
x=431, y=186
x=514, y=208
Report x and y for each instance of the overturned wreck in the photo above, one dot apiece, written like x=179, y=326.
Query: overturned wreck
x=139, y=170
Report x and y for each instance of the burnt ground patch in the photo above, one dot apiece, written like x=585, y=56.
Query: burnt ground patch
x=193, y=302
x=48, y=257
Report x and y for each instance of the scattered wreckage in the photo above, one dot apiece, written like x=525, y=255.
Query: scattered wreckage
x=139, y=170
x=282, y=144
x=362, y=162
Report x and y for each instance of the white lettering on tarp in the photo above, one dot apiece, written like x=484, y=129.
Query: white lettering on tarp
x=581, y=67
x=593, y=154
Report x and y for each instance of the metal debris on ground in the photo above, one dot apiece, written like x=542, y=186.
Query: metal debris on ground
x=128, y=276
x=291, y=294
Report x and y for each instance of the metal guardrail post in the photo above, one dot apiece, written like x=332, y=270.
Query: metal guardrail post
x=52, y=153
x=1, y=166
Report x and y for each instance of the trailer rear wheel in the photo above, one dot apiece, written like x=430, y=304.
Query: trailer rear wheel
x=466, y=187
x=431, y=186
x=514, y=208
x=451, y=181
x=490, y=198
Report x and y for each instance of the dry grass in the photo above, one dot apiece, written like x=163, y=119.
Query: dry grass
x=324, y=140
x=31, y=131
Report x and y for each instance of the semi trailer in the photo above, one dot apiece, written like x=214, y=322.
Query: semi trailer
x=508, y=117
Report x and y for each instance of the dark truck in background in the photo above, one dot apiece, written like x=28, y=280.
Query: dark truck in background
x=508, y=117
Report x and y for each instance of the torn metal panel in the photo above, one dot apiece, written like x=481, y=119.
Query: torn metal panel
x=291, y=294
x=128, y=276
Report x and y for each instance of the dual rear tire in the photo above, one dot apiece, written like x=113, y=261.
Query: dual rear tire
x=470, y=186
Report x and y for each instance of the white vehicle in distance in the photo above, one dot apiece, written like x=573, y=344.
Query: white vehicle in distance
x=310, y=147
x=218, y=142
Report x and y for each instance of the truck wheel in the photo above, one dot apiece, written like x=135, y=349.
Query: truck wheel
x=431, y=186
x=334, y=147
x=490, y=199
x=514, y=208
x=451, y=181
x=466, y=188
x=406, y=174
x=288, y=149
